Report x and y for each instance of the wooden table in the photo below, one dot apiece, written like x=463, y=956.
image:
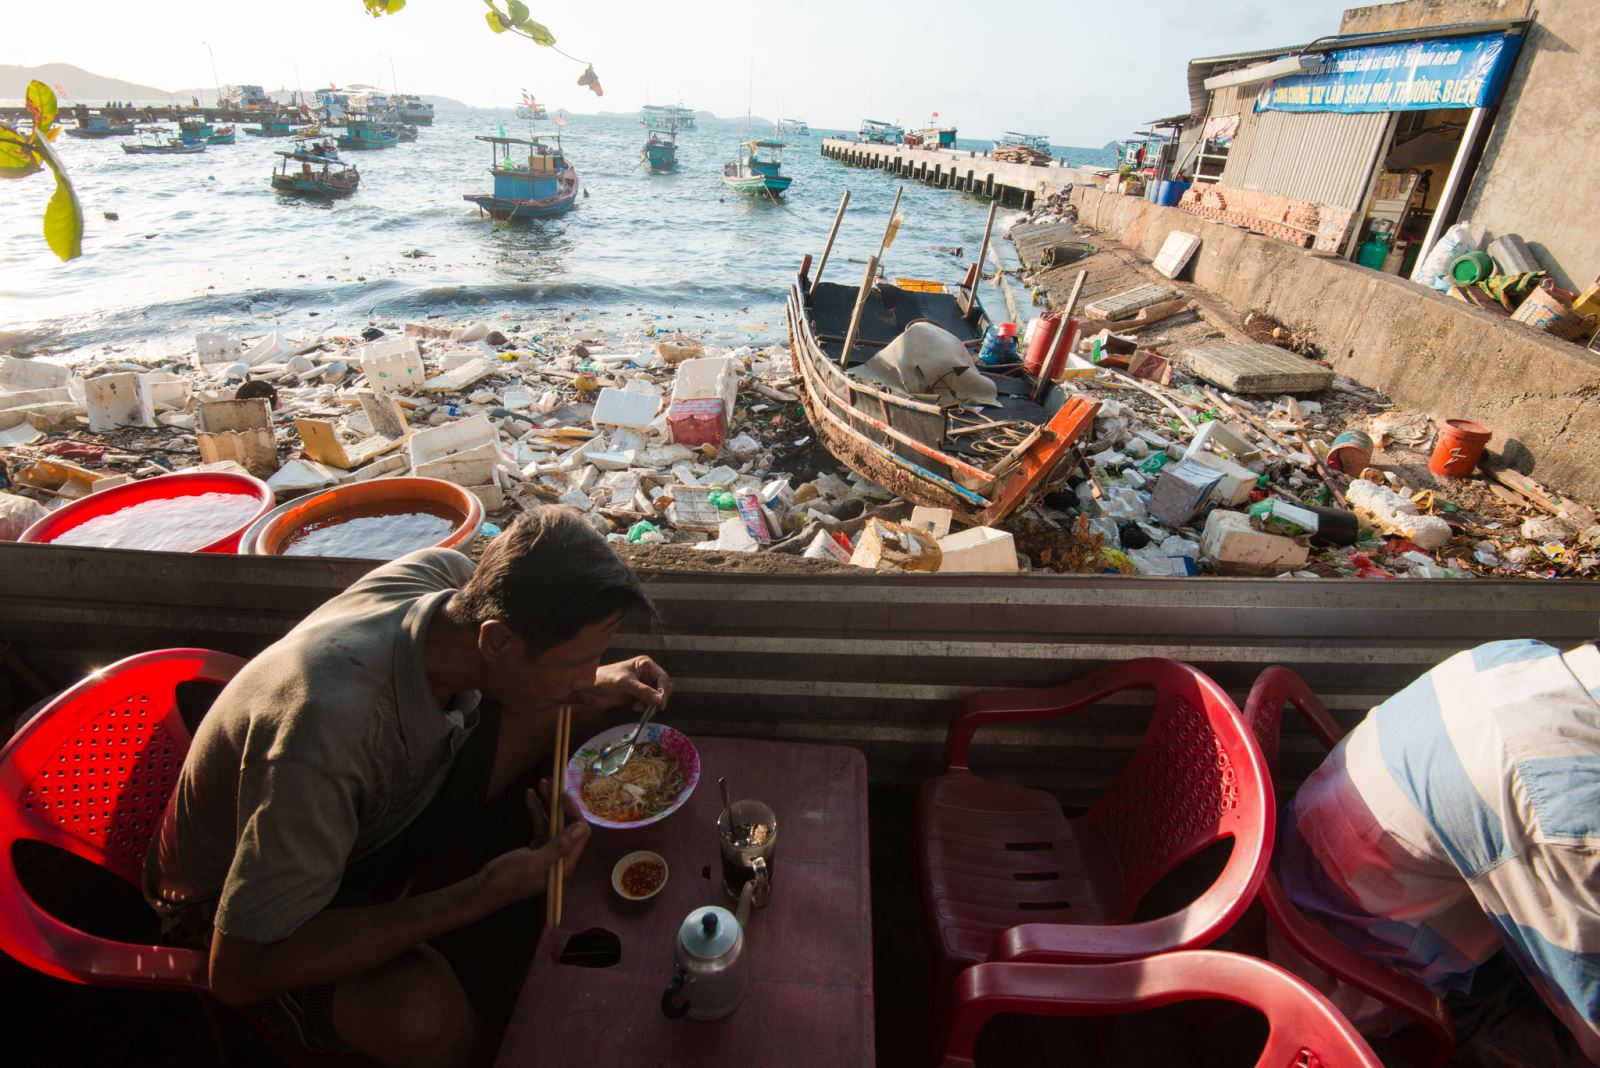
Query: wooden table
x=810, y=997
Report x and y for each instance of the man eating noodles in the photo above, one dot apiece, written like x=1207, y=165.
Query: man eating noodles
x=359, y=747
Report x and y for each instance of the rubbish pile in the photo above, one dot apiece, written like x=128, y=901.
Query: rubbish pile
x=1022, y=154
x=675, y=442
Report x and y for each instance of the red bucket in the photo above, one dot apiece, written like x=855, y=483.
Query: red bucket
x=1459, y=447
x=162, y=488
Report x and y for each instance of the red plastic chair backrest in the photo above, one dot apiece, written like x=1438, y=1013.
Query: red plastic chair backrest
x=1305, y=1030
x=1263, y=712
x=91, y=773
x=1196, y=779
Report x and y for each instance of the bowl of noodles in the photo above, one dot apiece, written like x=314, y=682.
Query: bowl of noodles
x=652, y=785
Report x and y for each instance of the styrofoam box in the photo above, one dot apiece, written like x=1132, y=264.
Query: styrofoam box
x=392, y=364
x=978, y=549
x=713, y=377
x=463, y=452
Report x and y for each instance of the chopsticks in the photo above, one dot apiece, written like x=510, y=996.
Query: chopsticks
x=558, y=778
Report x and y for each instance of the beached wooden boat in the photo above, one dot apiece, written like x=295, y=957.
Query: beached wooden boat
x=537, y=185
x=303, y=173
x=364, y=134
x=981, y=463
x=96, y=125
x=156, y=141
x=759, y=169
x=661, y=152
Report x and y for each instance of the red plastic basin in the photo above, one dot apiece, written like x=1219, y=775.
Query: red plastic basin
x=164, y=487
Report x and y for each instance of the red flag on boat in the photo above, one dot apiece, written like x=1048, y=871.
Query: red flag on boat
x=560, y=121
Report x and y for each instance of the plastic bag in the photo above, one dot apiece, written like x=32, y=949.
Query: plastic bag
x=1431, y=269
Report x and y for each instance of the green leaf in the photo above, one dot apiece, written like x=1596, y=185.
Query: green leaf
x=395, y=6
x=41, y=102
x=17, y=159
x=63, y=216
x=494, y=21
x=518, y=12
x=538, y=32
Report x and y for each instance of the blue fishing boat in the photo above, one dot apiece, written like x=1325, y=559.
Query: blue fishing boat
x=364, y=133
x=759, y=169
x=1016, y=139
x=794, y=128
x=878, y=132
x=155, y=141
x=271, y=128
x=661, y=151
x=303, y=173
x=541, y=184
x=95, y=124
x=196, y=128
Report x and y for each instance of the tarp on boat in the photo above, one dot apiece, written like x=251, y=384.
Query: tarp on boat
x=928, y=362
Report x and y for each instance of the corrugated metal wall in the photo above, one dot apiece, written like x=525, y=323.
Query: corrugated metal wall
x=873, y=661
x=1320, y=157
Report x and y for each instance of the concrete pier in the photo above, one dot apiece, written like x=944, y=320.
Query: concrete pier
x=969, y=172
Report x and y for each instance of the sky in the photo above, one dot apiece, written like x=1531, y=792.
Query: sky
x=1083, y=72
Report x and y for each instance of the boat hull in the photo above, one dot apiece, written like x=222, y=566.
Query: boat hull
x=222, y=138
x=163, y=150
x=902, y=444
x=359, y=144
x=74, y=131
x=760, y=184
x=505, y=209
x=312, y=187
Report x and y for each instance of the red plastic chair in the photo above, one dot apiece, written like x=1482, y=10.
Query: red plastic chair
x=1305, y=1030
x=1006, y=876
x=1429, y=1044
x=91, y=774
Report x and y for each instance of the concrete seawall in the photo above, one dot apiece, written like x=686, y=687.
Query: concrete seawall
x=968, y=172
x=1428, y=352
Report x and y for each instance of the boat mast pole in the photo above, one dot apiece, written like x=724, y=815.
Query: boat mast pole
x=893, y=225
x=844, y=202
x=983, y=249
x=870, y=277
x=216, y=82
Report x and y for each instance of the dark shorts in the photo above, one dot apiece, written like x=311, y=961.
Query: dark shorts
x=304, y=1017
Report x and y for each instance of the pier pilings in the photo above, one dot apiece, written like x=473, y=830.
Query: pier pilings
x=975, y=173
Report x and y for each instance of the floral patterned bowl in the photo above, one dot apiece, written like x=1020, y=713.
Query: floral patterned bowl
x=674, y=742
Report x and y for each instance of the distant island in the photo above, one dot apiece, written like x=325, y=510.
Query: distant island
x=76, y=84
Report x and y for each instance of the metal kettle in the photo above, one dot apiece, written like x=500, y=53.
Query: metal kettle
x=711, y=974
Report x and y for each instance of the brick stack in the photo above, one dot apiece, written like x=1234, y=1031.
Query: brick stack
x=1299, y=222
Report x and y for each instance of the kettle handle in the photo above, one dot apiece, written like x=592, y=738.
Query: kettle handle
x=671, y=1008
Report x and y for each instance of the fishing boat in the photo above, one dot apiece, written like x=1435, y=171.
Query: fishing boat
x=530, y=110
x=414, y=109
x=303, y=173
x=759, y=169
x=364, y=133
x=332, y=103
x=195, y=128
x=1013, y=139
x=931, y=136
x=157, y=141
x=326, y=147
x=405, y=131
x=95, y=124
x=878, y=132
x=985, y=453
x=794, y=128
x=271, y=128
x=536, y=185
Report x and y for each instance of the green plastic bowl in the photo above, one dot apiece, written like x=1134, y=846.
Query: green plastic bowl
x=1470, y=268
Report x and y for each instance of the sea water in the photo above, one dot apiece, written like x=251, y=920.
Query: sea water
x=202, y=241
x=173, y=524
x=375, y=533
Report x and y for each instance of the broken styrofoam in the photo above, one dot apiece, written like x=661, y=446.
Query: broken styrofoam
x=978, y=549
x=459, y=378
x=240, y=431
x=212, y=347
x=299, y=476
x=623, y=408
x=1231, y=545
x=117, y=400
x=272, y=347
x=1398, y=515
x=392, y=365
x=464, y=452
x=17, y=375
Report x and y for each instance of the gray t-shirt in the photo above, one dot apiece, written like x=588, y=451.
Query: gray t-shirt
x=321, y=750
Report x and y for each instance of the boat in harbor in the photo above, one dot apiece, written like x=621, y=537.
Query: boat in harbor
x=271, y=128
x=666, y=117
x=364, y=133
x=96, y=124
x=1014, y=139
x=932, y=135
x=405, y=132
x=158, y=141
x=984, y=447
x=304, y=173
x=414, y=110
x=193, y=128
x=530, y=110
x=794, y=128
x=537, y=184
x=878, y=132
x=759, y=168
x=660, y=152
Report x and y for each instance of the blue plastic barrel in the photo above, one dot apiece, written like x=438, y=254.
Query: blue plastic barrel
x=1170, y=193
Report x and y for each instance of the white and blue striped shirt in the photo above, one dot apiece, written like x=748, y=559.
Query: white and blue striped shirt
x=1462, y=816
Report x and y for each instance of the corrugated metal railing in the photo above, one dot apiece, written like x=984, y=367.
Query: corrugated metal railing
x=867, y=660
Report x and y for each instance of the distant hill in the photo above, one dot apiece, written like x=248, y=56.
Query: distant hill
x=442, y=101
x=1112, y=146
x=75, y=84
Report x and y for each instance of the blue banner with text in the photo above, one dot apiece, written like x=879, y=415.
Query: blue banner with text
x=1450, y=72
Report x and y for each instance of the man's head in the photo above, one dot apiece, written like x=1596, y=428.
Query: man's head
x=545, y=600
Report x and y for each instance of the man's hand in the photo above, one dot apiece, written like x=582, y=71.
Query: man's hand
x=638, y=681
x=524, y=873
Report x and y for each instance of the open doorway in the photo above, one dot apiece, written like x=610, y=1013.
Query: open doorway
x=1407, y=187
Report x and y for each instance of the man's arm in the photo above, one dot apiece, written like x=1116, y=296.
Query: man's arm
x=337, y=943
